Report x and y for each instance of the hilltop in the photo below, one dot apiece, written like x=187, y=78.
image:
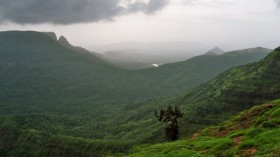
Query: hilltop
x=215, y=51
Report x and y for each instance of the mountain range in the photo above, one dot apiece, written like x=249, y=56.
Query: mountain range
x=141, y=55
x=57, y=98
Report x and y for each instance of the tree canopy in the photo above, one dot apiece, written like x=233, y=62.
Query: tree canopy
x=170, y=116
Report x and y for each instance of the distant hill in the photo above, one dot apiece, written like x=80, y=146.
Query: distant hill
x=186, y=74
x=137, y=55
x=214, y=51
x=64, y=42
x=39, y=73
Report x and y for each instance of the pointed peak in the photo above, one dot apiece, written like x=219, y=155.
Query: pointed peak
x=64, y=42
x=62, y=38
x=215, y=51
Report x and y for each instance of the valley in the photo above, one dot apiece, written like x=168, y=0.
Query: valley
x=60, y=100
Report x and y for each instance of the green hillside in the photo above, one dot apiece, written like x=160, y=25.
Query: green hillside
x=16, y=141
x=39, y=74
x=233, y=91
x=251, y=132
x=52, y=94
x=254, y=132
x=199, y=69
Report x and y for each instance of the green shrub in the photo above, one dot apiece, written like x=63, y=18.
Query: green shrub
x=269, y=125
x=262, y=112
x=276, y=113
x=222, y=128
x=254, y=132
x=237, y=133
x=246, y=144
x=224, y=144
x=260, y=120
x=229, y=153
x=225, y=153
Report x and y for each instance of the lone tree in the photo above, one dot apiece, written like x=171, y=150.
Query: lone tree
x=170, y=116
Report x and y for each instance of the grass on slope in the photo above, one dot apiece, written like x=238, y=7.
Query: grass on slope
x=233, y=91
x=18, y=142
x=254, y=132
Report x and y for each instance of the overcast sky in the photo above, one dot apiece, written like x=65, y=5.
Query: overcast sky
x=236, y=23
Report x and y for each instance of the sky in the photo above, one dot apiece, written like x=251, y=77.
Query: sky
x=88, y=23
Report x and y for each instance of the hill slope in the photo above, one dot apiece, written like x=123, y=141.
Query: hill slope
x=235, y=90
x=187, y=74
x=231, y=92
x=39, y=74
x=254, y=132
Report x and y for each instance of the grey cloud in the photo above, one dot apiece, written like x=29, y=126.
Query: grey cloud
x=278, y=3
x=153, y=6
x=211, y=3
x=71, y=11
x=148, y=8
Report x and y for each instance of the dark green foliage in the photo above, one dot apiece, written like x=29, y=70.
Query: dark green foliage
x=268, y=125
x=252, y=133
x=170, y=117
x=36, y=143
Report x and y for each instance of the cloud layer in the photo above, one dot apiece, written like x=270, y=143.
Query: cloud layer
x=278, y=2
x=72, y=11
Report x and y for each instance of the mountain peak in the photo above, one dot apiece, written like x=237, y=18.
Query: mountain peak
x=64, y=42
x=215, y=51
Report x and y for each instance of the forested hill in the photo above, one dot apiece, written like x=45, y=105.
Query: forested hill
x=189, y=73
x=233, y=91
x=39, y=74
